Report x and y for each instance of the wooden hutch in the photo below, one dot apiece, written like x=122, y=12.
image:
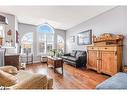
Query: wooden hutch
x=106, y=54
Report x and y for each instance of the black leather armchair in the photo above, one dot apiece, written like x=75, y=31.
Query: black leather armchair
x=77, y=58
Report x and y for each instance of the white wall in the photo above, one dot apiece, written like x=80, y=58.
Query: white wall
x=113, y=21
x=61, y=33
x=26, y=28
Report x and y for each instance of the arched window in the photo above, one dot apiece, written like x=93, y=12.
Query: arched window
x=45, y=36
x=60, y=43
x=27, y=43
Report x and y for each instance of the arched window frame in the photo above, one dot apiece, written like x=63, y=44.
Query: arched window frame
x=44, y=40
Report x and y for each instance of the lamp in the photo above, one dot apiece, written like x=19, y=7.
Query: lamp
x=26, y=46
x=9, y=41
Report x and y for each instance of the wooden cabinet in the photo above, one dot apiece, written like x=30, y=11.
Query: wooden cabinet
x=104, y=59
x=92, y=60
x=12, y=60
x=108, y=62
x=55, y=62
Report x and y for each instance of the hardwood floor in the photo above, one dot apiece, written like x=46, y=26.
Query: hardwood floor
x=72, y=78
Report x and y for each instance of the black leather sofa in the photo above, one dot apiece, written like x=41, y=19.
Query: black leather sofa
x=77, y=58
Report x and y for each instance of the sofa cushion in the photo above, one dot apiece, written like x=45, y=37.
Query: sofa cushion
x=22, y=75
x=72, y=59
x=7, y=79
x=78, y=54
x=118, y=81
x=9, y=69
x=73, y=53
x=83, y=53
x=65, y=57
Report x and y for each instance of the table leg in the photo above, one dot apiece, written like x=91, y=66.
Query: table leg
x=47, y=63
x=54, y=69
x=62, y=68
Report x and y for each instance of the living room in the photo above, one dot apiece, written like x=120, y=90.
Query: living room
x=84, y=47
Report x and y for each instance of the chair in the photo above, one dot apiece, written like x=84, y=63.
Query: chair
x=24, y=79
x=77, y=58
x=26, y=58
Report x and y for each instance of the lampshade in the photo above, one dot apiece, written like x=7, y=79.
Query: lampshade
x=27, y=45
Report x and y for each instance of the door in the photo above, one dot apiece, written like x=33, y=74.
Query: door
x=108, y=64
x=92, y=59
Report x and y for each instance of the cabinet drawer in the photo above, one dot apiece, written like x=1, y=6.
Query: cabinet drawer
x=12, y=60
x=92, y=48
x=108, y=48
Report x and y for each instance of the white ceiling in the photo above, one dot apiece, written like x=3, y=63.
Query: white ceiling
x=60, y=17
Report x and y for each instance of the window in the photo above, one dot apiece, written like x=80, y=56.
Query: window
x=60, y=43
x=27, y=43
x=1, y=31
x=1, y=34
x=45, y=35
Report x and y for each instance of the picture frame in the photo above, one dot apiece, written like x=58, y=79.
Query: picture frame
x=72, y=39
x=84, y=38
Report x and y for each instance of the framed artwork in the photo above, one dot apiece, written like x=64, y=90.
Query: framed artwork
x=72, y=39
x=84, y=38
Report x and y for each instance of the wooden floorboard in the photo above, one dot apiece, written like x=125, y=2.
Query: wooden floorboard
x=72, y=78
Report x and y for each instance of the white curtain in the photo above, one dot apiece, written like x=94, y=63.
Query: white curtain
x=2, y=54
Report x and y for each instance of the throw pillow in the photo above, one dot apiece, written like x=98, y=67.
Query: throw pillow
x=73, y=53
x=7, y=79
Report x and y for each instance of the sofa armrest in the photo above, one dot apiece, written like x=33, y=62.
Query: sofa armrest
x=37, y=81
x=81, y=57
x=66, y=54
x=81, y=60
x=9, y=69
